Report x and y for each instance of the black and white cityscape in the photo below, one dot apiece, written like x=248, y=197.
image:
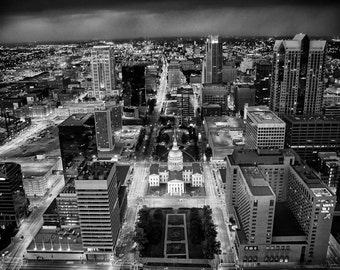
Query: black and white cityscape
x=169, y=135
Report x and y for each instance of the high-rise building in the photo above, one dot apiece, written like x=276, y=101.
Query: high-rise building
x=243, y=94
x=216, y=94
x=329, y=169
x=77, y=140
x=133, y=80
x=213, y=62
x=255, y=205
x=107, y=121
x=264, y=129
x=308, y=134
x=263, y=73
x=98, y=208
x=13, y=200
x=184, y=98
x=297, y=80
x=301, y=213
x=103, y=72
x=312, y=205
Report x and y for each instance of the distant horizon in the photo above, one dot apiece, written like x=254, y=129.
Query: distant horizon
x=160, y=38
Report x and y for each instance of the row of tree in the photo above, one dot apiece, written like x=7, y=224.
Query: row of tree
x=148, y=230
x=210, y=245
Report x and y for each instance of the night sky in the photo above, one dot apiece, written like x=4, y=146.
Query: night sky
x=49, y=20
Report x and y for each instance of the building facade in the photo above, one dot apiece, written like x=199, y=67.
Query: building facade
x=307, y=135
x=98, y=208
x=215, y=94
x=213, y=61
x=297, y=80
x=107, y=121
x=77, y=140
x=301, y=214
x=103, y=72
x=176, y=175
x=264, y=129
x=13, y=199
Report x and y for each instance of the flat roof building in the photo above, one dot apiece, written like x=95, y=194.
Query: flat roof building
x=98, y=207
x=264, y=129
x=310, y=134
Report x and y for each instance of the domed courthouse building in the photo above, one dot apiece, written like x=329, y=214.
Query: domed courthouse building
x=175, y=174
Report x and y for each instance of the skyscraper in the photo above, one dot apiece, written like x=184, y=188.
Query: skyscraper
x=12, y=195
x=103, y=72
x=297, y=80
x=98, y=206
x=107, y=120
x=77, y=143
x=213, y=62
x=297, y=224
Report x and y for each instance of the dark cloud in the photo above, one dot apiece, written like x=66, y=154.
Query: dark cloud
x=38, y=6
x=61, y=20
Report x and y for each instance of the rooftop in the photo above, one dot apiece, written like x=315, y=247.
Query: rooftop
x=96, y=171
x=284, y=222
x=259, y=115
x=77, y=119
x=233, y=123
x=57, y=240
x=312, y=181
x=250, y=157
x=310, y=118
x=256, y=182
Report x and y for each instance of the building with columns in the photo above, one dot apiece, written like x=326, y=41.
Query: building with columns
x=176, y=175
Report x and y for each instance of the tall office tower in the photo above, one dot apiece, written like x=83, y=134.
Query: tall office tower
x=255, y=206
x=243, y=94
x=216, y=94
x=263, y=73
x=103, y=72
x=308, y=135
x=273, y=163
x=107, y=121
x=13, y=201
x=184, y=98
x=312, y=205
x=297, y=81
x=213, y=61
x=329, y=169
x=302, y=213
x=133, y=79
x=264, y=129
x=77, y=142
x=98, y=208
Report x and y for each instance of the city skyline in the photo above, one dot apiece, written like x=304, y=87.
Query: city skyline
x=35, y=21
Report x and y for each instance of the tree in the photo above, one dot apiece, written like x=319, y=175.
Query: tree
x=208, y=153
x=140, y=239
x=158, y=214
x=184, y=138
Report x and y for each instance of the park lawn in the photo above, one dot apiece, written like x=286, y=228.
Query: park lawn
x=195, y=251
x=176, y=234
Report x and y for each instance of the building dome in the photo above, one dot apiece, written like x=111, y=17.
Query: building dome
x=175, y=157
